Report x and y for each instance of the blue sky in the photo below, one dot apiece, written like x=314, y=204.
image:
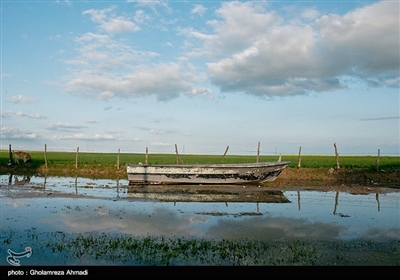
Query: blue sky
x=204, y=75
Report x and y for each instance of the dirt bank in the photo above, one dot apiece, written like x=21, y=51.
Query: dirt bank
x=325, y=179
x=352, y=180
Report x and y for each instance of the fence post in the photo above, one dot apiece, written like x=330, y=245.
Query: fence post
x=258, y=151
x=337, y=157
x=118, y=160
x=377, y=160
x=147, y=155
x=45, y=155
x=226, y=150
x=176, y=152
x=299, y=159
x=177, y=155
x=76, y=158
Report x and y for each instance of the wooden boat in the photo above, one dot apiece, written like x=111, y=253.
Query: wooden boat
x=205, y=173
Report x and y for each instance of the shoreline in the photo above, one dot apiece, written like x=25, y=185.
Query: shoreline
x=343, y=175
x=356, y=181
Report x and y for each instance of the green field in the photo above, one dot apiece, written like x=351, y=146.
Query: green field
x=68, y=159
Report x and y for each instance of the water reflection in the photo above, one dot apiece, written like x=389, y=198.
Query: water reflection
x=109, y=206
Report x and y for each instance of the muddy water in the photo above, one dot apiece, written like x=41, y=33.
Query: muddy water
x=65, y=205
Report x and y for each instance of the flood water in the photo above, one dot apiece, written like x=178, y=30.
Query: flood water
x=80, y=205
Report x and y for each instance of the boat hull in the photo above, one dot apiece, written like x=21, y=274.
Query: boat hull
x=204, y=174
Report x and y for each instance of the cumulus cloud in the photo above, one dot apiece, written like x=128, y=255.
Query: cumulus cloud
x=269, y=56
x=108, y=68
x=20, y=98
x=165, y=81
x=364, y=42
x=31, y=116
x=198, y=9
x=153, y=5
x=246, y=48
x=111, y=23
x=106, y=95
x=8, y=132
x=9, y=113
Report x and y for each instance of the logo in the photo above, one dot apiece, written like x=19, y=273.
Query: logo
x=12, y=258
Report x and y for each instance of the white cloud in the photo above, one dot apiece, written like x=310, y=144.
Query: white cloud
x=200, y=92
x=198, y=9
x=152, y=4
x=141, y=16
x=63, y=126
x=8, y=132
x=119, y=25
x=82, y=136
x=92, y=121
x=21, y=99
x=103, y=137
x=165, y=81
x=160, y=144
x=264, y=56
x=249, y=49
x=110, y=23
x=8, y=113
x=364, y=42
x=105, y=95
x=241, y=24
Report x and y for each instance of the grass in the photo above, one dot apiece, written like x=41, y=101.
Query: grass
x=112, y=249
x=68, y=159
x=119, y=249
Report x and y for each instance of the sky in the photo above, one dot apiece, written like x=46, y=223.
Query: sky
x=109, y=76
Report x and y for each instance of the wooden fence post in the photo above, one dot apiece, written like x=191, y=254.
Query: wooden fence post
x=337, y=157
x=377, y=160
x=299, y=159
x=258, y=151
x=177, y=155
x=176, y=152
x=147, y=155
x=226, y=150
x=118, y=160
x=76, y=158
x=45, y=155
x=280, y=158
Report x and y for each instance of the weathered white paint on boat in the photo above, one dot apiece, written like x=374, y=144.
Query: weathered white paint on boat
x=205, y=174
